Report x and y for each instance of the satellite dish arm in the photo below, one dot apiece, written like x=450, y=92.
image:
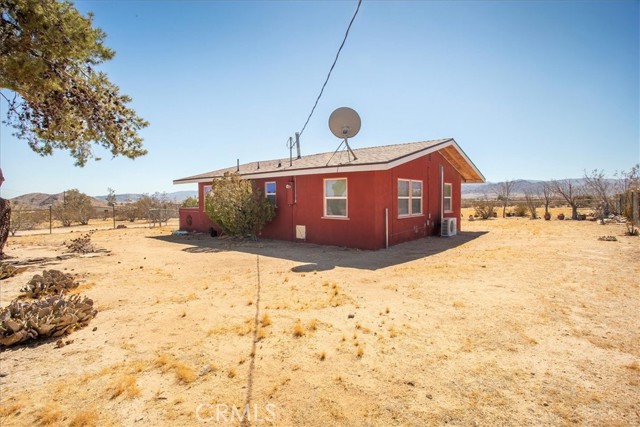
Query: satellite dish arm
x=350, y=150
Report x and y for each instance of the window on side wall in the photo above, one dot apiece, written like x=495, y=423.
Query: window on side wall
x=447, y=198
x=270, y=191
x=409, y=197
x=335, y=198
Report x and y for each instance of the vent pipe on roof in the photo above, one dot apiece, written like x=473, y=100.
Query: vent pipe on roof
x=290, y=147
x=238, y=165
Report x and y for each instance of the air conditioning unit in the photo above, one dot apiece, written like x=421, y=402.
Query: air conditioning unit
x=449, y=227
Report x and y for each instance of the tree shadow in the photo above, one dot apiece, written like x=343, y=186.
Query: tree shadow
x=322, y=258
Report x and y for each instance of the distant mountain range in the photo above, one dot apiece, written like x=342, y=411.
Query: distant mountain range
x=176, y=196
x=478, y=191
x=469, y=191
x=520, y=187
x=43, y=200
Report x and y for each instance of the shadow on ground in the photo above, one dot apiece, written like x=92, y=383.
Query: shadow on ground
x=321, y=258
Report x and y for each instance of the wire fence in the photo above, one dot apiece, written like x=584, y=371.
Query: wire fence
x=56, y=219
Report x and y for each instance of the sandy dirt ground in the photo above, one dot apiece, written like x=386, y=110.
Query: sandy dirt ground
x=513, y=322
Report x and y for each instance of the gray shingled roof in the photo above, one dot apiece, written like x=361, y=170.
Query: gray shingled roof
x=365, y=156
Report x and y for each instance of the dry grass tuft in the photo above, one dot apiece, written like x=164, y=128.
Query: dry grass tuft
x=48, y=414
x=298, y=329
x=322, y=356
x=360, y=352
x=313, y=325
x=634, y=366
x=85, y=418
x=232, y=373
x=261, y=334
x=266, y=320
x=393, y=332
x=7, y=409
x=185, y=373
x=164, y=362
x=458, y=304
x=126, y=385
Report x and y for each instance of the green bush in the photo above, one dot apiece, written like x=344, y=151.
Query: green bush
x=237, y=208
x=190, y=202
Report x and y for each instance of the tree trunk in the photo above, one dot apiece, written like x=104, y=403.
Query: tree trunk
x=574, y=212
x=5, y=218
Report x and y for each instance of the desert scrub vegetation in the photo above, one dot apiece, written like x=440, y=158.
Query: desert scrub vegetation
x=485, y=209
x=298, y=329
x=238, y=208
x=85, y=418
x=125, y=385
x=183, y=372
x=266, y=320
x=49, y=414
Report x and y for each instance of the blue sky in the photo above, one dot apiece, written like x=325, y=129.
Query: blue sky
x=529, y=89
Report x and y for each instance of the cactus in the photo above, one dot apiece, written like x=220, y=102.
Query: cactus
x=52, y=282
x=51, y=317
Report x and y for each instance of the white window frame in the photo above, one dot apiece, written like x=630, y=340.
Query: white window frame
x=267, y=193
x=325, y=198
x=449, y=197
x=410, y=198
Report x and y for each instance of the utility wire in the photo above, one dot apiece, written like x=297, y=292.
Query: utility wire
x=331, y=69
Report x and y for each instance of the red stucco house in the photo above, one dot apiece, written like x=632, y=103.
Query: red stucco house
x=387, y=195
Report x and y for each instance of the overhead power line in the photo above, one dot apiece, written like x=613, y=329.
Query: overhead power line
x=346, y=34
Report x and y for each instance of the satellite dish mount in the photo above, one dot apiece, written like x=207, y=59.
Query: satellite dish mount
x=344, y=123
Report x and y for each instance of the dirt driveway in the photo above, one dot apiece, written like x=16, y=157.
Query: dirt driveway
x=513, y=322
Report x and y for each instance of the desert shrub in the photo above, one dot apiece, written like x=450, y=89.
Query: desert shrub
x=484, y=209
x=52, y=282
x=520, y=210
x=236, y=207
x=51, y=317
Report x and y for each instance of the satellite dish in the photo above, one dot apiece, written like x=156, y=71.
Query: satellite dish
x=344, y=122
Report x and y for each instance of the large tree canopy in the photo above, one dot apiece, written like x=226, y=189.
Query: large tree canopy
x=48, y=55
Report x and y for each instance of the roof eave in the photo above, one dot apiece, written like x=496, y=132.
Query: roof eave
x=473, y=175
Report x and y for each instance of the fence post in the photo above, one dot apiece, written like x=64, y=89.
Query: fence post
x=635, y=207
x=50, y=217
x=113, y=210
